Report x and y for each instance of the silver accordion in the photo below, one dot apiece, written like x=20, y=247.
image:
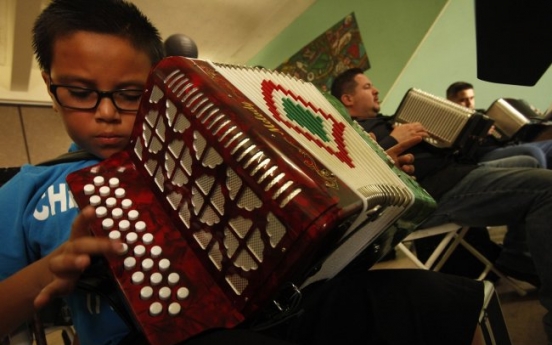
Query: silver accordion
x=515, y=120
x=450, y=126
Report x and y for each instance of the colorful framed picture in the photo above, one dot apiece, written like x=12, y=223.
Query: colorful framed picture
x=334, y=51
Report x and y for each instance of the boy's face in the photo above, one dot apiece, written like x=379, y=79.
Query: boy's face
x=99, y=62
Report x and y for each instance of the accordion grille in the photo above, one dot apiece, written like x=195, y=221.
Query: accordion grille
x=443, y=119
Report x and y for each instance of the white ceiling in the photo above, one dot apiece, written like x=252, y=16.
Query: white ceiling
x=230, y=31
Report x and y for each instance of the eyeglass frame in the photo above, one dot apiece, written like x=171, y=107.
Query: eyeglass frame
x=101, y=94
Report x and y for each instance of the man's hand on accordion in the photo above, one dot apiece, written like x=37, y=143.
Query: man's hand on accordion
x=67, y=262
x=404, y=161
x=407, y=131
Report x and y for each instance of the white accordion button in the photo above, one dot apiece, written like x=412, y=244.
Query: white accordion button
x=130, y=263
x=95, y=200
x=133, y=215
x=99, y=180
x=147, y=264
x=146, y=292
x=89, y=189
x=156, y=251
x=147, y=238
x=101, y=212
x=117, y=213
x=131, y=237
x=120, y=193
x=114, y=235
x=126, y=203
x=124, y=249
x=111, y=202
x=174, y=309
x=138, y=277
x=113, y=182
x=164, y=264
x=140, y=226
x=139, y=250
x=182, y=293
x=105, y=190
x=164, y=293
x=173, y=279
x=107, y=223
x=156, y=278
x=156, y=308
x=124, y=225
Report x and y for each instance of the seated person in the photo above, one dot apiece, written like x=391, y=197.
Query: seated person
x=86, y=46
x=463, y=93
x=467, y=193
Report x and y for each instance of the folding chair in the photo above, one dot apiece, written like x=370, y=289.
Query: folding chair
x=454, y=236
x=491, y=319
x=52, y=318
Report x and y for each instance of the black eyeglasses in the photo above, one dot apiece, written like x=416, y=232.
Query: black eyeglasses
x=81, y=98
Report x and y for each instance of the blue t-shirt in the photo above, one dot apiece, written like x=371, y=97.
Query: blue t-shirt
x=36, y=212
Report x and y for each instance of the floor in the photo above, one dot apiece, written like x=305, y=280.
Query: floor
x=522, y=314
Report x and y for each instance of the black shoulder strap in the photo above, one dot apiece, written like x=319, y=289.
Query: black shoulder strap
x=8, y=172
x=69, y=157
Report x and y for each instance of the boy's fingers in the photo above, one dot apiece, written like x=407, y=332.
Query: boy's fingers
x=55, y=288
x=81, y=223
x=69, y=264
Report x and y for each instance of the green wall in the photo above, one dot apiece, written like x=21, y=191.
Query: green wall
x=448, y=54
x=390, y=29
x=426, y=44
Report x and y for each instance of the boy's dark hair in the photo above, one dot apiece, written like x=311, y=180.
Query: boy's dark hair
x=345, y=82
x=456, y=87
x=114, y=17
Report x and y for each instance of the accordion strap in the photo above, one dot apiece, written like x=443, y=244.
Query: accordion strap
x=6, y=173
x=96, y=279
x=69, y=157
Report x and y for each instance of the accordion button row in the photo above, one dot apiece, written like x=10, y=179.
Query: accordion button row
x=142, y=257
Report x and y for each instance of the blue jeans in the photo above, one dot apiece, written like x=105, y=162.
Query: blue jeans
x=523, y=150
x=521, y=161
x=520, y=198
x=546, y=147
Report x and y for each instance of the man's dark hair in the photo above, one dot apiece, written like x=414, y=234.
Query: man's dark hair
x=456, y=87
x=345, y=82
x=62, y=18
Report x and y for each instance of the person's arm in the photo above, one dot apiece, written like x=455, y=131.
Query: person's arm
x=388, y=136
x=56, y=274
x=17, y=294
x=404, y=161
x=387, y=142
x=406, y=131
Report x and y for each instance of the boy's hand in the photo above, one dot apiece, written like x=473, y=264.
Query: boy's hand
x=67, y=262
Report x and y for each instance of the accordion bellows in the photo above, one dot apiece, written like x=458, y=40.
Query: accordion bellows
x=236, y=182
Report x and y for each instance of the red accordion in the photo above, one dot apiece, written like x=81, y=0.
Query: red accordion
x=236, y=181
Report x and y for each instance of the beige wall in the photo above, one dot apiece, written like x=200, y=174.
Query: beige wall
x=30, y=134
